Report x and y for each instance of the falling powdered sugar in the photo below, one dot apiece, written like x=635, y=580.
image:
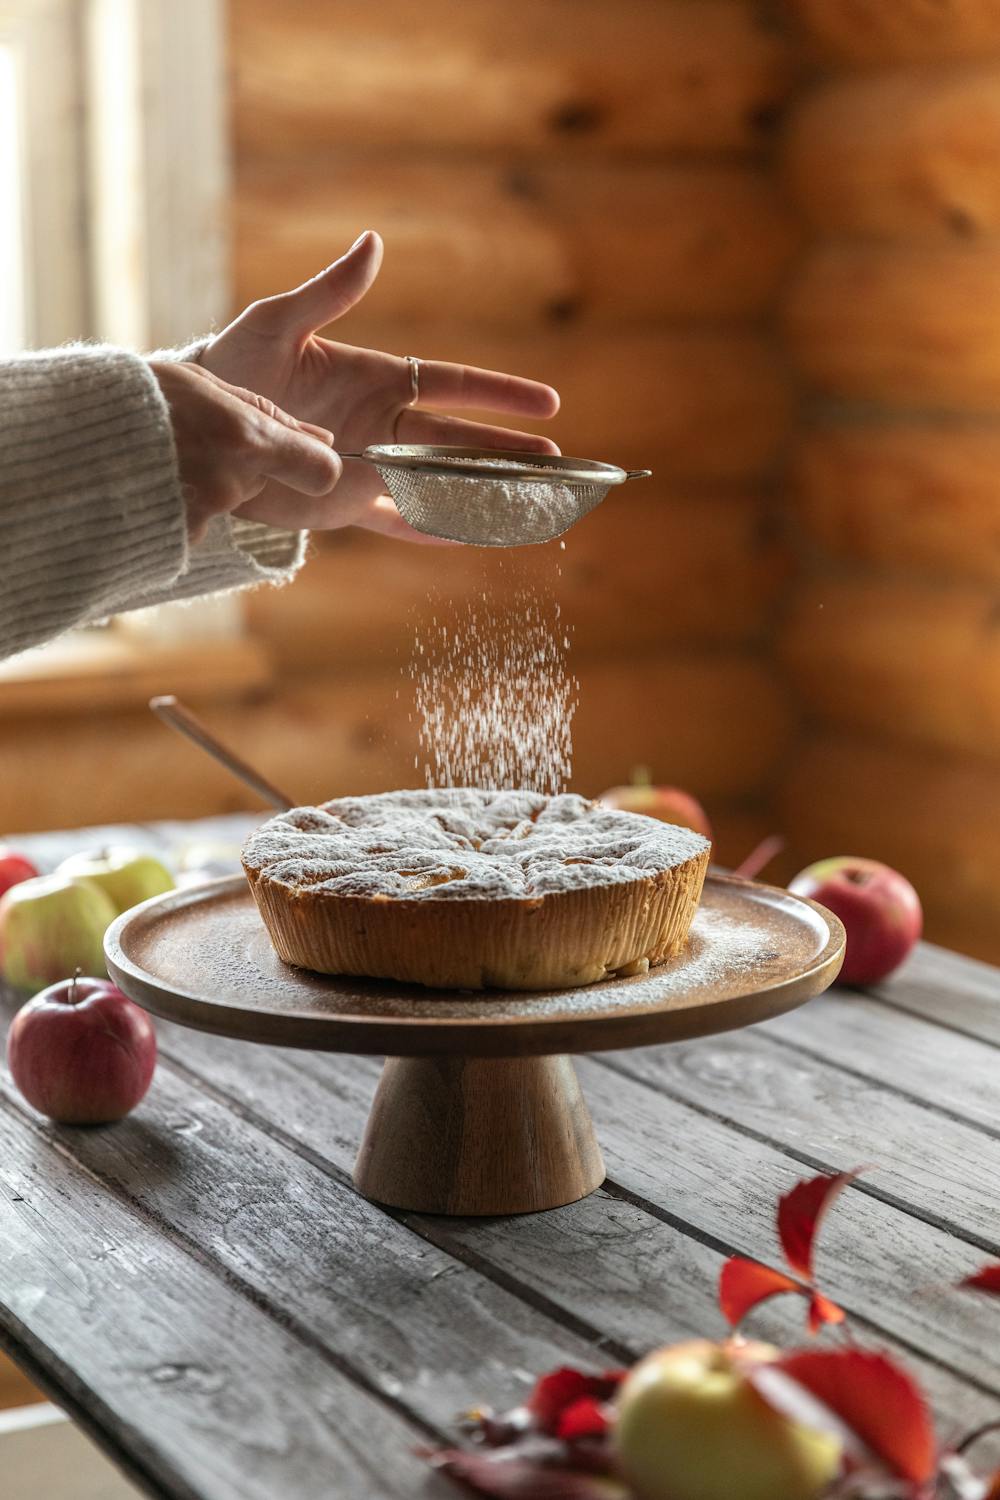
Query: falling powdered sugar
x=494, y=698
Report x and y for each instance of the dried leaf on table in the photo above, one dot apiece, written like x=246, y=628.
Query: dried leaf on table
x=745, y=1283
x=876, y=1399
x=800, y=1213
x=517, y=1474
x=985, y=1280
x=564, y=1387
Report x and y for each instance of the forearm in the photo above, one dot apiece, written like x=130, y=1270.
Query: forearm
x=90, y=506
x=92, y=516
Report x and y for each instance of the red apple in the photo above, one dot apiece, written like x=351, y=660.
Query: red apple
x=879, y=908
x=668, y=803
x=692, y=1426
x=14, y=868
x=81, y=1052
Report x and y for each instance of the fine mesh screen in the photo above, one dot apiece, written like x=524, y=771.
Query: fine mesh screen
x=486, y=509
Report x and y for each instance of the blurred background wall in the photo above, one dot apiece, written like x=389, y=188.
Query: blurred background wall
x=754, y=245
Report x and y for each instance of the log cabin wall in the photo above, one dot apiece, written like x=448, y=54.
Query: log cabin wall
x=581, y=192
x=891, y=639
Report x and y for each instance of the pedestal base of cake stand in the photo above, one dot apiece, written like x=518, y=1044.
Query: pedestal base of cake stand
x=478, y=1135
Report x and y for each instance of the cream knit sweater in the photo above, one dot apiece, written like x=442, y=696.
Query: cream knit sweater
x=91, y=513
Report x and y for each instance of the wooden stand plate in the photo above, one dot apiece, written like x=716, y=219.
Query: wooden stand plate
x=478, y=1110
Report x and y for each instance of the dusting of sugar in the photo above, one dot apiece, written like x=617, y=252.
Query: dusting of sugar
x=723, y=950
x=494, y=696
x=742, y=940
x=455, y=844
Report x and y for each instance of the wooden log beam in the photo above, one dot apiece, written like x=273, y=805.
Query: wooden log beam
x=487, y=242
x=867, y=32
x=903, y=153
x=647, y=568
x=692, y=405
x=932, y=816
x=904, y=495
x=917, y=663
x=716, y=722
x=915, y=326
x=565, y=75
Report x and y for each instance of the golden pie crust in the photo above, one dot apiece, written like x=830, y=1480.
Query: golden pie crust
x=463, y=889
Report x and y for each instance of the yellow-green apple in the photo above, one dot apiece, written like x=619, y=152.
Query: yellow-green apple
x=14, y=868
x=81, y=1052
x=125, y=875
x=692, y=1426
x=668, y=803
x=50, y=926
x=879, y=908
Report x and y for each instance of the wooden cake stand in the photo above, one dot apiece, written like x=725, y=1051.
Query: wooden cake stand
x=478, y=1110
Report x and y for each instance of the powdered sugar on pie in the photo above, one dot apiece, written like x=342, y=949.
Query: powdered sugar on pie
x=464, y=844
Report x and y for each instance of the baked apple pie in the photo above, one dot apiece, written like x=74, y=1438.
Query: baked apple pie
x=461, y=889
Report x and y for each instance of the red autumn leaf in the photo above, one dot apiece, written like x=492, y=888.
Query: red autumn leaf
x=555, y=1391
x=822, y=1310
x=986, y=1280
x=800, y=1213
x=563, y=1387
x=507, y=1474
x=744, y=1283
x=584, y=1418
x=875, y=1398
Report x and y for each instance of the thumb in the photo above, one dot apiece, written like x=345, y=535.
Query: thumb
x=330, y=294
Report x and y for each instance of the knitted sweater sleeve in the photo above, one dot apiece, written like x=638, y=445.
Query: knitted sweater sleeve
x=92, y=517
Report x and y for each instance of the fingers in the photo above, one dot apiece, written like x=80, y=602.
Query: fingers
x=298, y=313
x=231, y=445
x=416, y=426
x=294, y=458
x=443, y=384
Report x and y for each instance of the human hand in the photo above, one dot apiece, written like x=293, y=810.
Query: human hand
x=232, y=444
x=360, y=394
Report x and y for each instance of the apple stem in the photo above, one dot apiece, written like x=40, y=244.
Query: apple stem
x=641, y=776
x=77, y=973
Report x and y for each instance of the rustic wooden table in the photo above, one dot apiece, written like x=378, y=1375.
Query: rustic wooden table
x=204, y=1290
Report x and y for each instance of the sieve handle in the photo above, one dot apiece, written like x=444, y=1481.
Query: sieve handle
x=638, y=473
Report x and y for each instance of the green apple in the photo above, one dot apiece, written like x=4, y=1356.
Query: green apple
x=51, y=926
x=123, y=874
x=691, y=1426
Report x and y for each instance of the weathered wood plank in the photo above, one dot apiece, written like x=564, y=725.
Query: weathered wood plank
x=872, y=31
x=570, y=74
x=915, y=662
x=953, y=991
x=424, y=1332
x=494, y=243
x=954, y=1073
x=638, y=1276
x=907, y=325
x=808, y=1106
x=904, y=494
x=202, y=1395
x=903, y=154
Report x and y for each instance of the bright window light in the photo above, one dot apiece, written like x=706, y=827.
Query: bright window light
x=11, y=227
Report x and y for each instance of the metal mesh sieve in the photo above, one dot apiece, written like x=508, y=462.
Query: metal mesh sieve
x=490, y=497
